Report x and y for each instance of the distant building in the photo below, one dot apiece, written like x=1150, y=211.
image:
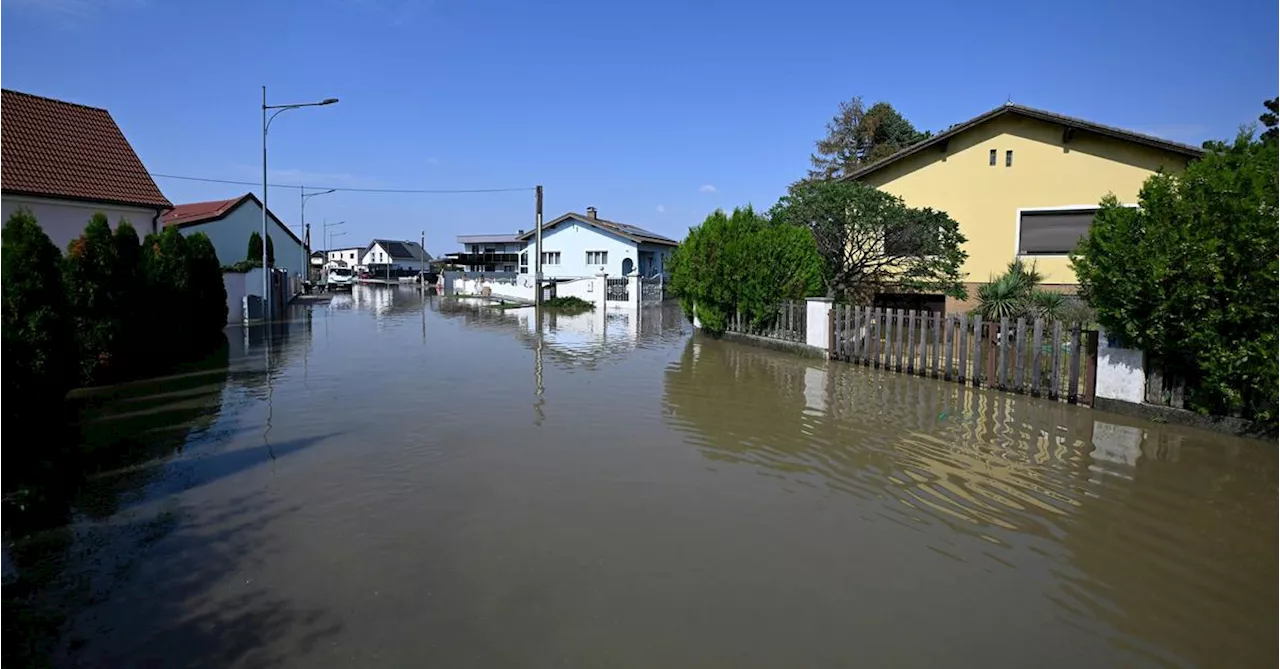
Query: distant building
x=230, y=223
x=65, y=162
x=394, y=255
x=349, y=256
x=578, y=245
x=489, y=253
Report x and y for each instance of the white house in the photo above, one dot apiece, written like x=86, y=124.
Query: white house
x=576, y=245
x=230, y=223
x=65, y=162
x=397, y=255
x=350, y=256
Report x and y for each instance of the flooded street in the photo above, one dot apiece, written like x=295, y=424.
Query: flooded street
x=390, y=481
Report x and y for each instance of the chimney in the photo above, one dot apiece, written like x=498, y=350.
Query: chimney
x=519, y=232
x=591, y=213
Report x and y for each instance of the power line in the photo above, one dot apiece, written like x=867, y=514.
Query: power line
x=421, y=191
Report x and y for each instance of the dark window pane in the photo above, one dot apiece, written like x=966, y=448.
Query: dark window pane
x=1052, y=232
x=1008, y=158
x=993, y=156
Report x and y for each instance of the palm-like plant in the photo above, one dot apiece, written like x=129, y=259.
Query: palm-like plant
x=1012, y=294
x=1047, y=304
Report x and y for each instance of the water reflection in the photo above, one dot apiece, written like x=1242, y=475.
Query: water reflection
x=1161, y=533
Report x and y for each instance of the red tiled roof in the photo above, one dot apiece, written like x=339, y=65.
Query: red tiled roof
x=59, y=149
x=200, y=212
x=196, y=213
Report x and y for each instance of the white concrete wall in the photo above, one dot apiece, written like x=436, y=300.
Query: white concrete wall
x=573, y=239
x=583, y=289
x=521, y=289
x=1120, y=371
x=64, y=220
x=230, y=237
x=236, y=286
x=817, y=322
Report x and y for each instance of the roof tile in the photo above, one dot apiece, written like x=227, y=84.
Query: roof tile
x=59, y=149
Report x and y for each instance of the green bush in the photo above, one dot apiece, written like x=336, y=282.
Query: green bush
x=1190, y=276
x=208, y=292
x=39, y=350
x=743, y=262
x=101, y=288
x=255, y=249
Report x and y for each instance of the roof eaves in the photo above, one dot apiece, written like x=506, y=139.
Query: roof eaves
x=1032, y=112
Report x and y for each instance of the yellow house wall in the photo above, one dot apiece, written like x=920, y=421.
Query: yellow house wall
x=985, y=199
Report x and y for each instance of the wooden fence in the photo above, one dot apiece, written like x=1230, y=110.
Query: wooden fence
x=1052, y=359
x=787, y=322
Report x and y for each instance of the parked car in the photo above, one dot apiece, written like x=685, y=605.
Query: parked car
x=339, y=278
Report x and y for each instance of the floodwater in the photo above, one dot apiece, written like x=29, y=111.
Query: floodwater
x=395, y=481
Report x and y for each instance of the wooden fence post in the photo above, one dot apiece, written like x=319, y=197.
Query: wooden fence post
x=831, y=331
x=937, y=341
x=1002, y=350
x=978, y=348
x=1090, y=367
x=1036, y=339
x=873, y=340
x=949, y=347
x=1056, y=388
x=1073, y=396
x=924, y=352
x=900, y=316
x=1020, y=345
x=911, y=336
x=993, y=354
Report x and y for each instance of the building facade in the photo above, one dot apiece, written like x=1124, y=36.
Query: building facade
x=1023, y=183
x=489, y=253
x=582, y=245
x=229, y=225
x=65, y=162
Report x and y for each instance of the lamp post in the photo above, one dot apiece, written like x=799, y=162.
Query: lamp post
x=303, y=195
x=266, y=124
x=328, y=237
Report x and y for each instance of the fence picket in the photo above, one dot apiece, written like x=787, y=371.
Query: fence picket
x=1057, y=359
x=1090, y=390
x=873, y=340
x=1037, y=338
x=1073, y=391
x=923, y=343
x=900, y=316
x=978, y=345
x=867, y=335
x=1002, y=350
x=937, y=341
x=1019, y=347
x=850, y=331
x=910, y=342
x=955, y=330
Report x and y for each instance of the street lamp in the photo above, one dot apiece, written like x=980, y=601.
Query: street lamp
x=302, y=227
x=328, y=242
x=266, y=124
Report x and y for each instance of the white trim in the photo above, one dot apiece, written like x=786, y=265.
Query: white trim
x=1017, y=225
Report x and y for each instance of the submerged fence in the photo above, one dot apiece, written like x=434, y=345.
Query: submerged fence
x=786, y=322
x=1043, y=358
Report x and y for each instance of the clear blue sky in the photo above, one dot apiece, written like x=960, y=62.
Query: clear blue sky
x=655, y=112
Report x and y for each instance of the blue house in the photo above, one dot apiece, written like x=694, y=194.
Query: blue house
x=577, y=245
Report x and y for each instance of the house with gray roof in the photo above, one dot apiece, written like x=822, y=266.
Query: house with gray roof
x=580, y=245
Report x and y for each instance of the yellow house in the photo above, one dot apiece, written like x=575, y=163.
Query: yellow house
x=1023, y=182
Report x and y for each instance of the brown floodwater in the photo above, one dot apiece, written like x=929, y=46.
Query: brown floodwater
x=392, y=481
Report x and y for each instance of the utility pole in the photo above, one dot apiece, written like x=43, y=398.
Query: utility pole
x=537, y=247
x=422, y=262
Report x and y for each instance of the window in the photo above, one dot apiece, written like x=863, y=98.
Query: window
x=1008, y=158
x=597, y=257
x=551, y=257
x=1053, y=233
x=993, y=157
x=524, y=262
